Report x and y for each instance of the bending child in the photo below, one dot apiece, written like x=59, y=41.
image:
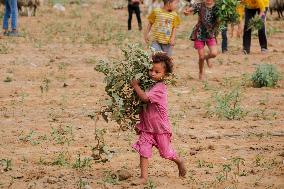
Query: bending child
x=154, y=128
x=204, y=32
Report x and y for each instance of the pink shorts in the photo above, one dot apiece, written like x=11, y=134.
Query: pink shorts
x=161, y=141
x=200, y=44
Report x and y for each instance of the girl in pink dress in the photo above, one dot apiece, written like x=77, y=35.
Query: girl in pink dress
x=154, y=128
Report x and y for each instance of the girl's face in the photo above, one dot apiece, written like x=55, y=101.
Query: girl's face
x=157, y=72
x=209, y=2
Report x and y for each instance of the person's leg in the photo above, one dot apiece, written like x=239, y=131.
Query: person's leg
x=213, y=51
x=144, y=147
x=199, y=46
x=130, y=12
x=249, y=13
x=232, y=28
x=262, y=35
x=240, y=28
x=181, y=167
x=224, y=40
x=166, y=151
x=14, y=14
x=137, y=12
x=201, y=55
x=6, y=17
x=167, y=49
x=144, y=163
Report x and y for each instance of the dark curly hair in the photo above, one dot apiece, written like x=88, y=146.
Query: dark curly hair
x=167, y=1
x=161, y=57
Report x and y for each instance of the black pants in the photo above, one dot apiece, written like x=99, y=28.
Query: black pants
x=250, y=13
x=224, y=39
x=136, y=9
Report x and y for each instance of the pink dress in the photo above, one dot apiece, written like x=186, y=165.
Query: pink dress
x=155, y=125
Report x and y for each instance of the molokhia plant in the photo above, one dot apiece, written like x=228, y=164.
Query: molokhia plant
x=266, y=75
x=123, y=105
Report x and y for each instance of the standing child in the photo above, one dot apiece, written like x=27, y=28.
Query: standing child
x=133, y=6
x=204, y=32
x=164, y=22
x=253, y=7
x=154, y=128
x=240, y=10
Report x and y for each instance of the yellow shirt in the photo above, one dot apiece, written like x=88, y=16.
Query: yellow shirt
x=255, y=4
x=163, y=24
x=266, y=3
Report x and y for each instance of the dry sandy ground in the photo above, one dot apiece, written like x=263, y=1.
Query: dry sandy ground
x=48, y=87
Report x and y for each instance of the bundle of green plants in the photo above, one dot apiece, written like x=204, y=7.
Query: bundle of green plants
x=256, y=23
x=123, y=105
x=265, y=75
x=227, y=12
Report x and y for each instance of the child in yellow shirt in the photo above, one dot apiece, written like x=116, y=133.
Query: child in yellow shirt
x=163, y=22
x=253, y=7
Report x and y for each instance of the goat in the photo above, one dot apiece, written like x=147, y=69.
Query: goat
x=277, y=5
x=26, y=3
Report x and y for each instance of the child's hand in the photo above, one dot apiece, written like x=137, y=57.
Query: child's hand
x=262, y=16
x=146, y=38
x=134, y=83
x=186, y=11
x=137, y=131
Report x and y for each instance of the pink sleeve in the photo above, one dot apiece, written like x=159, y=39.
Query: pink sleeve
x=157, y=93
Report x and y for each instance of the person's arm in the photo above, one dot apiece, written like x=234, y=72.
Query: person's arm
x=172, y=39
x=146, y=34
x=188, y=10
x=141, y=94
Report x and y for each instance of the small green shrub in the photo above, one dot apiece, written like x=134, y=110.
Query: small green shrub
x=227, y=105
x=7, y=164
x=82, y=163
x=266, y=75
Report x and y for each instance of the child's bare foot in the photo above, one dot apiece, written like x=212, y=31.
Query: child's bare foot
x=209, y=64
x=201, y=76
x=139, y=181
x=181, y=168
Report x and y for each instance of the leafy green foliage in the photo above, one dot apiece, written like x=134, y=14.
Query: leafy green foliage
x=228, y=105
x=62, y=159
x=255, y=23
x=4, y=48
x=124, y=105
x=227, y=11
x=82, y=163
x=7, y=164
x=266, y=75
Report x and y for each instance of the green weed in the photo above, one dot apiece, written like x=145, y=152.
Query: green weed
x=82, y=163
x=63, y=135
x=8, y=79
x=44, y=87
x=29, y=138
x=266, y=75
x=4, y=49
x=227, y=105
x=62, y=159
x=7, y=164
x=81, y=183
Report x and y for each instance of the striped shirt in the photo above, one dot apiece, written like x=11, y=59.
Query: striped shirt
x=163, y=24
